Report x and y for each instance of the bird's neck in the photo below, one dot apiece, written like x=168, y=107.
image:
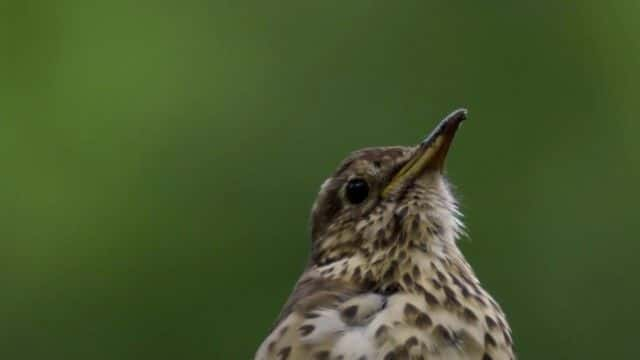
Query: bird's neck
x=405, y=251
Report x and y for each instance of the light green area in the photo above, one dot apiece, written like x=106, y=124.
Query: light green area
x=160, y=160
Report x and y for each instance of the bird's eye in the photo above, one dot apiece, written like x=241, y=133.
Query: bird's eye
x=357, y=191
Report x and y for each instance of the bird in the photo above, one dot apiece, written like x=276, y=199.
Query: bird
x=385, y=278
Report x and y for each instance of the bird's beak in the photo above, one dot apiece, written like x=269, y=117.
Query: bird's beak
x=429, y=154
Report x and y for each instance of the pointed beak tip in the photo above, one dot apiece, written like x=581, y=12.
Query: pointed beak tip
x=456, y=117
x=448, y=126
x=462, y=112
x=430, y=153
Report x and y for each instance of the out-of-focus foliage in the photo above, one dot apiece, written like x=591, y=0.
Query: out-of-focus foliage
x=160, y=159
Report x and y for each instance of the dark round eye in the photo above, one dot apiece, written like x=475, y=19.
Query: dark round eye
x=357, y=191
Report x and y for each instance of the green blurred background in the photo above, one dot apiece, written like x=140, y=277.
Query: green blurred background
x=160, y=160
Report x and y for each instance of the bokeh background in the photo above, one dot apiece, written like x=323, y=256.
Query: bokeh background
x=160, y=160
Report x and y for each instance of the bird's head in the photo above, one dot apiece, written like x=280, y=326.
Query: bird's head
x=381, y=202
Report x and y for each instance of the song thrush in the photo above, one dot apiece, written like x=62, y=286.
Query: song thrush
x=386, y=279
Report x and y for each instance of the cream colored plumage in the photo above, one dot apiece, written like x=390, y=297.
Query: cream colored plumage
x=386, y=279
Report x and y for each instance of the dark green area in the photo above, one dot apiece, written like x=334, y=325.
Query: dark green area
x=160, y=160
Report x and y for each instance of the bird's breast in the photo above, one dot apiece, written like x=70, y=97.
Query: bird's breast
x=437, y=311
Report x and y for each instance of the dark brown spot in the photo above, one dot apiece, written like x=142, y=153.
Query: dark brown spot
x=356, y=273
x=490, y=322
x=444, y=333
x=451, y=296
x=369, y=285
x=489, y=340
x=412, y=341
x=271, y=346
x=480, y=300
x=350, y=311
x=423, y=320
x=369, y=276
x=368, y=281
x=311, y=315
x=363, y=357
x=283, y=330
x=469, y=315
x=410, y=310
x=402, y=353
x=469, y=282
x=390, y=271
x=441, y=276
x=408, y=281
x=455, y=280
x=430, y=298
x=463, y=287
x=436, y=283
x=321, y=355
x=391, y=289
x=284, y=352
x=415, y=271
x=464, y=277
x=382, y=331
x=306, y=329
x=486, y=357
